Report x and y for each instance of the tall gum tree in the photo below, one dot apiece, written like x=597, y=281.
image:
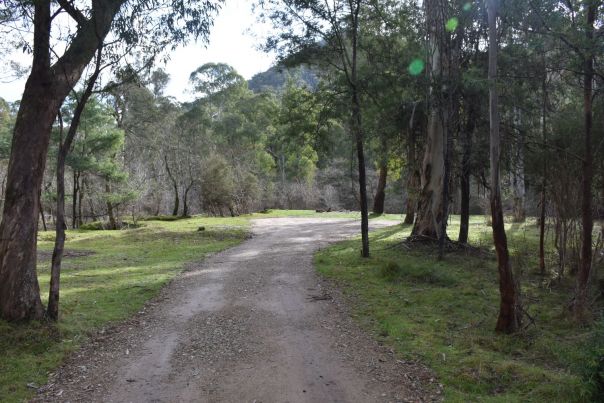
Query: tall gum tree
x=510, y=313
x=430, y=203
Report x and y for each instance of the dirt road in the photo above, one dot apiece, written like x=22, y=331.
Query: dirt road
x=251, y=324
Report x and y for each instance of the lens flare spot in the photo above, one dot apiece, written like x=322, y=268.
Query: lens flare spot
x=452, y=24
x=416, y=67
x=467, y=7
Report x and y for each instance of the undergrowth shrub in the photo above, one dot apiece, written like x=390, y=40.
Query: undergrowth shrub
x=391, y=270
x=164, y=218
x=592, y=365
x=93, y=226
x=103, y=225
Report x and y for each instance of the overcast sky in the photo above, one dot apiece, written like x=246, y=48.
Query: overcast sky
x=234, y=40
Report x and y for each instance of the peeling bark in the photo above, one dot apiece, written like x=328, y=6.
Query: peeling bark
x=428, y=222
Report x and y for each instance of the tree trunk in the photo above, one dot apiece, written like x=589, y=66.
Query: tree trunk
x=510, y=312
x=57, y=254
x=430, y=204
x=45, y=91
x=380, y=194
x=74, y=198
x=357, y=129
x=543, y=201
x=42, y=216
x=518, y=182
x=174, y=186
x=465, y=178
x=83, y=185
x=52, y=310
x=413, y=174
x=185, y=206
x=464, y=225
x=19, y=288
x=428, y=222
x=580, y=305
x=110, y=212
x=176, y=202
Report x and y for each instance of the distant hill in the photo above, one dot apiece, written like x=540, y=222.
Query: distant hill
x=275, y=78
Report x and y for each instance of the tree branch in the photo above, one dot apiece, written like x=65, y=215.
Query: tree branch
x=73, y=12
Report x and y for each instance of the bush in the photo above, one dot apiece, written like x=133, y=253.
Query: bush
x=592, y=365
x=103, y=225
x=218, y=184
x=94, y=226
x=163, y=218
x=435, y=276
x=391, y=270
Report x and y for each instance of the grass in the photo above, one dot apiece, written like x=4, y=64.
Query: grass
x=444, y=313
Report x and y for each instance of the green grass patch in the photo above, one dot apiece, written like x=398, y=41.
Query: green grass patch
x=444, y=314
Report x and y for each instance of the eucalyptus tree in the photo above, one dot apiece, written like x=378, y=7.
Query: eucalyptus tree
x=292, y=143
x=154, y=25
x=432, y=208
x=510, y=311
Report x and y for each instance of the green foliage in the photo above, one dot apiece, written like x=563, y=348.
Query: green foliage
x=390, y=270
x=97, y=142
x=218, y=183
x=299, y=129
x=93, y=226
x=6, y=128
x=591, y=367
x=212, y=79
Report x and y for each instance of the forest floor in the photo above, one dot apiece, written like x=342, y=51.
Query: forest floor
x=443, y=314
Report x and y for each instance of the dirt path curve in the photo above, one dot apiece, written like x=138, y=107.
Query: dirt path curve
x=251, y=324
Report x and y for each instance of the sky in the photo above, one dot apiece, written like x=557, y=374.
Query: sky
x=234, y=39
